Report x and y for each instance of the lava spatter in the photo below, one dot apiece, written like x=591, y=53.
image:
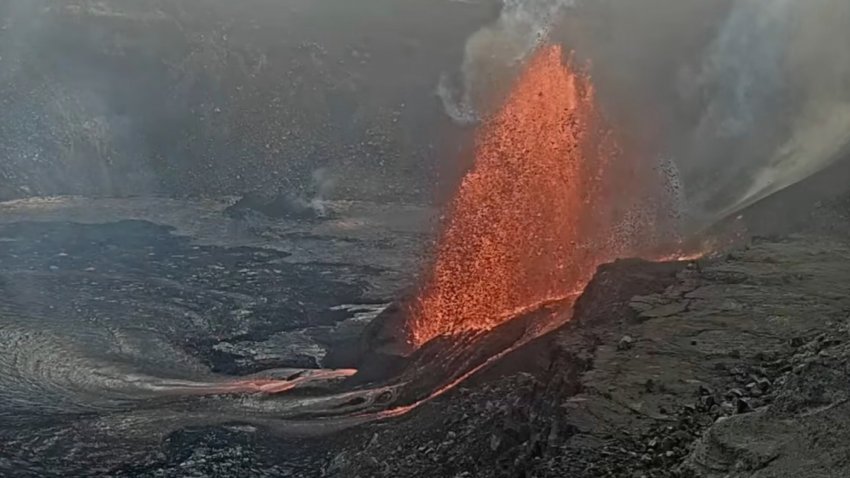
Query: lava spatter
x=549, y=197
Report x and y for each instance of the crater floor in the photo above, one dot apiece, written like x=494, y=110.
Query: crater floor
x=729, y=367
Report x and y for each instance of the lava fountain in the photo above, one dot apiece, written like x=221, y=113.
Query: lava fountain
x=550, y=196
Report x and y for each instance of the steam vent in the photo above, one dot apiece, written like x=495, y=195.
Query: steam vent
x=401, y=238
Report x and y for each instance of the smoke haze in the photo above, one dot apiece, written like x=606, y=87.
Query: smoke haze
x=778, y=105
x=743, y=97
x=747, y=97
x=494, y=52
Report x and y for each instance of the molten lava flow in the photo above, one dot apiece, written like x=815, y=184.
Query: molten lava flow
x=539, y=210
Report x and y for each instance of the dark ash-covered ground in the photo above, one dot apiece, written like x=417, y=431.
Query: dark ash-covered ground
x=735, y=368
x=732, y=366
x=106, y=304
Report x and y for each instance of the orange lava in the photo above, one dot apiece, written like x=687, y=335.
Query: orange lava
x=549, y=197
x=265, y=385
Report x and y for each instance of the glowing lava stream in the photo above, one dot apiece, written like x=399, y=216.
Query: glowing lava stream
x=263, y=385
x=549, y=197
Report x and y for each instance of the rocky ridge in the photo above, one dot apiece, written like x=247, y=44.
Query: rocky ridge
x=733, y=367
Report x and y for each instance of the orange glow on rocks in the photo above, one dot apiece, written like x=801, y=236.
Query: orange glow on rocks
x=549, y=197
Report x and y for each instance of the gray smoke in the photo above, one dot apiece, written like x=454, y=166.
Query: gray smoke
x=323, y=185
x=747, y=96
x=778, y=107
x=493, y=52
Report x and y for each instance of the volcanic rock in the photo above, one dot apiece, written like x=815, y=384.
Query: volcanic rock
x=680, y=425
x=625, y=343
x=280, y=206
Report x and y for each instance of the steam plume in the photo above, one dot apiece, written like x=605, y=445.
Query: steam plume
x=493, y=52
x=748, y=97
x=779, y=107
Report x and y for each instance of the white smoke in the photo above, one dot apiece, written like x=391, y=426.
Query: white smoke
x=748, y=96
x=323, y=184
x=493, y=52
x=778, y=108
x=818, y=69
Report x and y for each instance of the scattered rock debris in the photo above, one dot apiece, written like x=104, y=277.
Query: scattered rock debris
x=743, y=375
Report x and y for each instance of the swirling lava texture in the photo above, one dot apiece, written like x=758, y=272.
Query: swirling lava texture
x=550, y=196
